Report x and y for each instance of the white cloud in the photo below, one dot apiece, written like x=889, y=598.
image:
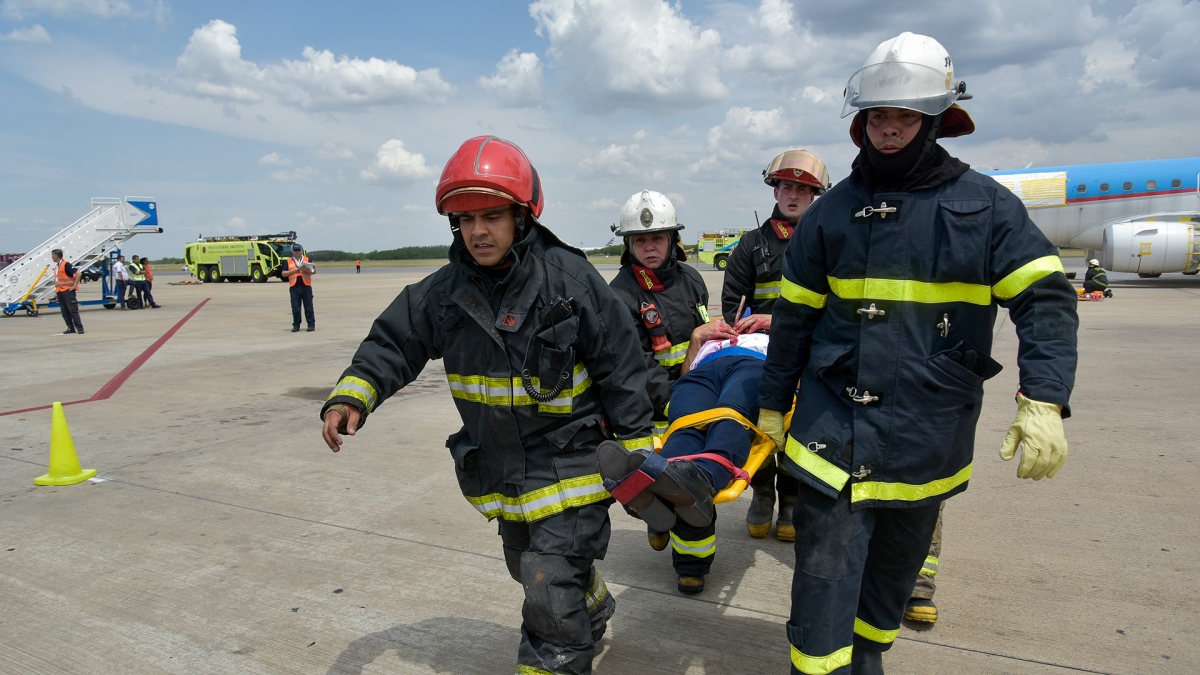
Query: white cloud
x=781, y=46
x=393, y=163
x=518, y=79
x=34, y=33
x=603, y=204
x=615, y=160
x=1108, y=60
x=744, y=128
x=274, y=159
x=305, y=174
x=211, y=66
x=631, y=53
x=332, y=210
x=330, y=151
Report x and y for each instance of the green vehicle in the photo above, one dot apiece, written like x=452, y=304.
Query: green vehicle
x=249, y=258
x=714, y=247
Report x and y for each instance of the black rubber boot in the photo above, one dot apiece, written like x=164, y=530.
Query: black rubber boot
x=866, y=662
x=785, y=530
x=762, y=504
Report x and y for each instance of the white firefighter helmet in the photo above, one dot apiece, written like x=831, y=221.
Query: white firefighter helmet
x=1093, y=263
x=913, y=72
x=800, y=166
x=647, y=211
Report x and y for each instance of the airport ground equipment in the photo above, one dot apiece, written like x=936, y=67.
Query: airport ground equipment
x=239, y=258
x=96, y=238
x=714, y=247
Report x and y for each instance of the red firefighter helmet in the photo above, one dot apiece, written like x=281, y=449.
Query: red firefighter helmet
x=486, y=172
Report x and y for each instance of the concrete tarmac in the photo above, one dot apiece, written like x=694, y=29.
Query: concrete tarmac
x=223, y=536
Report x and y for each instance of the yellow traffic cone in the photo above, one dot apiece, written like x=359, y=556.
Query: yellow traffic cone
x=64, y=465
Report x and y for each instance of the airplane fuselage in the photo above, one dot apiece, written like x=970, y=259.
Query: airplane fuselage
x=1139, y=217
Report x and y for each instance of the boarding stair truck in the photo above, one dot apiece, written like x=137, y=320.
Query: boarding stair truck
x=28, y=284
x=714, y=247
x=239, y=258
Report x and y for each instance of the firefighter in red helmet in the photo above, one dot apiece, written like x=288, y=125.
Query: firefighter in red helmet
x=543, y=365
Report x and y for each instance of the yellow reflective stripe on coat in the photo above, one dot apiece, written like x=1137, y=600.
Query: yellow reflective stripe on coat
x=883, y=637
x=640, y=443
x=820, y=665
x=543, y=502
x=930, y=568
x=673, y=355
x=817, y=465
x=596, y=593
x=795, y=293
x=357, y=389
x=907, y=290
x=697, y=549
x=530, y=670
x=1014, y=284
x=766, y=291
x=660, y=428
x=504, y=391
x=903, y=492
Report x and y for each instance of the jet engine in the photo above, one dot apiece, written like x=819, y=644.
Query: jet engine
x=1149, y=248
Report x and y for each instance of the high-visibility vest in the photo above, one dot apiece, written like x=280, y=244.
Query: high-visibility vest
x=63, y=281
x=303, y=272
x=136, y=273
x=148, y=272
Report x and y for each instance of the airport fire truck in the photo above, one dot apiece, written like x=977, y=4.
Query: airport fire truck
x=714, y=247
x=243, y=258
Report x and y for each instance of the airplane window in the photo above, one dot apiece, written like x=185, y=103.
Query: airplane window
x=1081, y=188
x=1104, y=187
x=1126, y=185
x=1151, y=184
x=1175, y=182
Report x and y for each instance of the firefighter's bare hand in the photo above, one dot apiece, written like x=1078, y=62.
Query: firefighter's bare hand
x=716, y=329
x=753, y=324
x=340, y=419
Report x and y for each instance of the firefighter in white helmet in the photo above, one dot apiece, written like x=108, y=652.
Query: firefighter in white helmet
x=752, y=282
x=890, y=291
x=667, y=300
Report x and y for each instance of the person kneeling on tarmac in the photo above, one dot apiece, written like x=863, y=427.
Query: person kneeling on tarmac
x=673, y=490
x=1096, y=279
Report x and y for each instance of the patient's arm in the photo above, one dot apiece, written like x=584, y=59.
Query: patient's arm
x=716, y=329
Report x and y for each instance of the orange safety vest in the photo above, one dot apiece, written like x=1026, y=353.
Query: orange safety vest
x=63, y=281
x=295, y=277
x=146, y=269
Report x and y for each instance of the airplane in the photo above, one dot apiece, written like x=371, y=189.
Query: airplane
x=589, y=249
x=1141, y=217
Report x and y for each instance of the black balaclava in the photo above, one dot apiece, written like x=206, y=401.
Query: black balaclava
x=920, y=164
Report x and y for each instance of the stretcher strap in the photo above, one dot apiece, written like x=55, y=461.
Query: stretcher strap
x=737, y=472
x=625, y=489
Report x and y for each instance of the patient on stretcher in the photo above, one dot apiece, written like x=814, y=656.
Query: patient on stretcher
x=714, y=406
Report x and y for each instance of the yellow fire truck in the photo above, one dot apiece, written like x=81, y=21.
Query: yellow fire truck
x=247, y=258
x=714, y=247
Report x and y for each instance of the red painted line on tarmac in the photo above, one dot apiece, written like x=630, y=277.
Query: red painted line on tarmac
x=114, y=384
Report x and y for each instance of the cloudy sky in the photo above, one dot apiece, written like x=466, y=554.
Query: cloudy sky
x=334, y=119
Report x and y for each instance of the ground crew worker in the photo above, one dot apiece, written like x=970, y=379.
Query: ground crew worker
x=752, y=283
x=298, y=271
x=148, y=285
x=137, y=277
x=358, y=266
x=122, y=278
x=889, y=295
x=666, y=300
x=1096, y=279
x=543, y=365
x=66, y=282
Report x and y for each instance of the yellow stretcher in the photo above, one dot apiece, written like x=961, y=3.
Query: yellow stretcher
x=761, y=447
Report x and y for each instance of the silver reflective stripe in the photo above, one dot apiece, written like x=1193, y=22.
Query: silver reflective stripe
x=697, y=549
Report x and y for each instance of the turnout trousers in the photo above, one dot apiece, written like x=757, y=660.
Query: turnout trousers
x=927, y=579
x=727, y=382
x=854, y=573
x=567, y=605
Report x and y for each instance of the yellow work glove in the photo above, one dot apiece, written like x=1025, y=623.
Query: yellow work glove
x=1038, y=429
x=770, y=422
